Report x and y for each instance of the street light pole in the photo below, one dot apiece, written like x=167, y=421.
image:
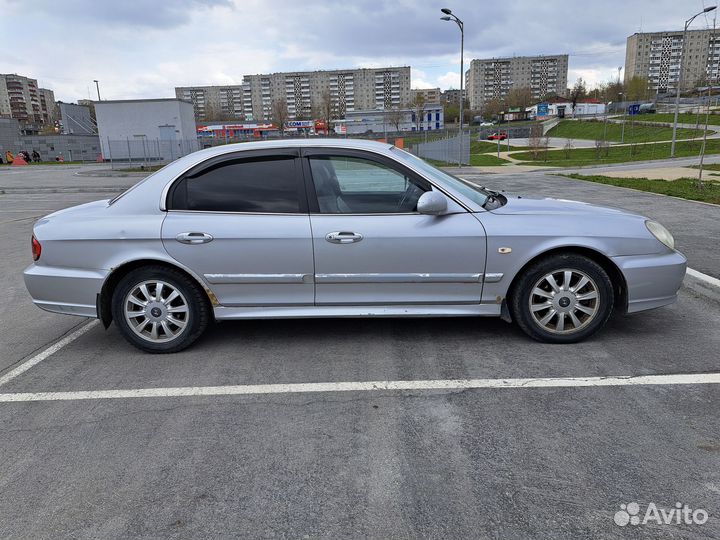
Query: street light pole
x=97, y=86
x=679, y=78
x=449, y=16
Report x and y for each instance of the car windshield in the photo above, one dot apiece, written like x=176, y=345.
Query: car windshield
x=475, y=193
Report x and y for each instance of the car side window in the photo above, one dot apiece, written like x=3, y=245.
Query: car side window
x=262, y=185
x=353, y=185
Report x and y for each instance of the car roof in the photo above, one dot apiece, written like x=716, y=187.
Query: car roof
x=358, y=144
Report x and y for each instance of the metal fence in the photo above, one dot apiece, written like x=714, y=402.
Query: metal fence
x=143, y=152
x=448, y=150
x=441, y=146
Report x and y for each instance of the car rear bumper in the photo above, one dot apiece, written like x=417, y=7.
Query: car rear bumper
x=652, y=280
x=64, y=290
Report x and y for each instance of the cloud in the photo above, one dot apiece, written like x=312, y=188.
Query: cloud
x=451, y=79
x=419, y=79
x=144, y=48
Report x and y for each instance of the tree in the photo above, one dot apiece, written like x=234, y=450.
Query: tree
x=535, y=140
x=520, y=97
x=395, y=118
x=280, y=114
x=492, y=108
x=327, y=110
x=612, y=90
x=418, y=107
x=637, y=89
x=578, y=92
x=211, y=113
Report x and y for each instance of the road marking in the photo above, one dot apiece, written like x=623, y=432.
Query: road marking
x=35, y=360
x=369, y=386
x=703, y=277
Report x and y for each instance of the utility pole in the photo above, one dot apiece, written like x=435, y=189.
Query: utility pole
x=449, y=16
x=713, y=68
x=679, y=79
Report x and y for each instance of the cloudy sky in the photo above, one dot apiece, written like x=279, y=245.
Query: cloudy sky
x=144, y=48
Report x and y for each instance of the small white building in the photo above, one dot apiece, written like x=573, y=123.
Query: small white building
x=387, y=120
x=564, y=109
x=146, y=129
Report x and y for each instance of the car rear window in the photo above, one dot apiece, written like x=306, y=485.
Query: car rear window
x=262, y=185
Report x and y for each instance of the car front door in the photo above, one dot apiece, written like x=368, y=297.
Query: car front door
x=241, y=223
x=371, y=245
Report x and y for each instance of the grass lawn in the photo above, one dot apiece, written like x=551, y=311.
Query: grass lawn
x=683, y=118
x=595, y=130
x=579, y=157
x=486, y=160
x=708, y=167
x=685, y=188
x=486, y=147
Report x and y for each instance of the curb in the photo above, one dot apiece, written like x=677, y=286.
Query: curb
x=702, y=284
x=554, y=173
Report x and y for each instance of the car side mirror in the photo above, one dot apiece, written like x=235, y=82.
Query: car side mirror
x=432, y=203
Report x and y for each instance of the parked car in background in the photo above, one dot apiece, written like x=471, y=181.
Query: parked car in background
x=497, y=136
x=487, y=124
x=341, y=228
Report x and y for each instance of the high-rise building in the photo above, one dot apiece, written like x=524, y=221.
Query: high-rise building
x=307, y=93
x=493, y=78
x=214, y=102
x=655, y=56
x=430, y=95
x=452, y=96
x=20, y=98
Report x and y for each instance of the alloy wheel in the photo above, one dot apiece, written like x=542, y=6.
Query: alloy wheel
x=564, y=301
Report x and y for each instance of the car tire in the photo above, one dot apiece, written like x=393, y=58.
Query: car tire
x=175, y=313
x=570, y=287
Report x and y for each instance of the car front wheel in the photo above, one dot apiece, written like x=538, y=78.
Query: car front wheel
x=160, y=310
x=563, y=298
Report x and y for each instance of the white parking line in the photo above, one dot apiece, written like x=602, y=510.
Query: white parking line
x=703, y=277
x=22, y=368
x=330, y=387
x=369, y=386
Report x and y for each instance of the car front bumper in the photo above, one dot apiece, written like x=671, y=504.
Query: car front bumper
x=64, y=290
x=652, y=280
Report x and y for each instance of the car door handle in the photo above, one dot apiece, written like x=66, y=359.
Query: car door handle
x=342, y=237
x=194, y=238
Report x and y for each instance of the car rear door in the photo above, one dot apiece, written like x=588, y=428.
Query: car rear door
x=241, y=222
x=372, y=247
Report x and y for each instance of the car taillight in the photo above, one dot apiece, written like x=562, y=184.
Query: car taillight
x=36, y=248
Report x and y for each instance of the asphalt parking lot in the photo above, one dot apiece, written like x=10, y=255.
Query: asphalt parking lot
x=283, y=461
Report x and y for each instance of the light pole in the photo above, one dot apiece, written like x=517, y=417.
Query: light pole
x=620, y=99
x=449, y=16
x=679, y=78
x=97, y=86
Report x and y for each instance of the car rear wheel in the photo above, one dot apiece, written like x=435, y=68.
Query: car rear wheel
x=160, y=310
x=563, y=298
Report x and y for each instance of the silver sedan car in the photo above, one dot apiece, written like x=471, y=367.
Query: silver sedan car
x=341, y=228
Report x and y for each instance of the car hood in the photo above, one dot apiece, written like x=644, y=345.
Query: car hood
x=517, y=205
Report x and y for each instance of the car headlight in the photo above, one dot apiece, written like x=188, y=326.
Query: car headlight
x=661, y=233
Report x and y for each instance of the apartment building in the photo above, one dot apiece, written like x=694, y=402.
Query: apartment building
x=307, y=93
x=493, y=78
x=23, y=100
x=429, y=95
x=656, y=56
x=452, y=96
x=214, y=102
